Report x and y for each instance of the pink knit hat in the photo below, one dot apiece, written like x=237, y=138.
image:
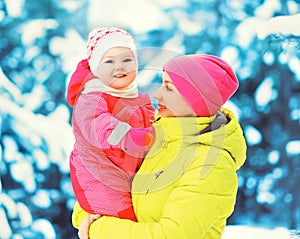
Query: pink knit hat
x=206, y=82
x=102, y=39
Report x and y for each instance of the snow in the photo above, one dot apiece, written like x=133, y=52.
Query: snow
x=274, y=156
x=9, y=205
x=230, y=55
x=11, y=88
x=265, y=93
x=44, y=227
x=189, y=26
x=5, y=231
x=14, y=7
x=262, y=27
x=145, y=16
x=39, y=26
x=54, y=128
x=24, y=215
x=267, y=9
x=64, y=47
x=248, y=232
x=253, y=135
x=294, y=65
x=293, y=147
x=42, y=199
x=171, y=3
x=22, y=172
x=265, y=184
x=285, y=25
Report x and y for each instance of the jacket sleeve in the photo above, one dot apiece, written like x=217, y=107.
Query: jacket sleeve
x=78, y=215
x=102, y=130
x=195, y=208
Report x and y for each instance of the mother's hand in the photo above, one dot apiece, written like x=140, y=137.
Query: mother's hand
x=83, y=232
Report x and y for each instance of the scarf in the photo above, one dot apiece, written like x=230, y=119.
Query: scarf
x=131, y=91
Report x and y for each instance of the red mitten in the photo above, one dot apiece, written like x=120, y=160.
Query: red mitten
x=80, y=76
x=138, y=141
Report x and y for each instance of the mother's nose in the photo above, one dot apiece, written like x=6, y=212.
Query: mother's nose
x=157, y=94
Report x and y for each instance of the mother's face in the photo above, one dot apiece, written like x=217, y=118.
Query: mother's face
x=170, y=102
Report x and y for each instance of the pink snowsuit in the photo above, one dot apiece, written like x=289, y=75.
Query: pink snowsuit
x=101, y=173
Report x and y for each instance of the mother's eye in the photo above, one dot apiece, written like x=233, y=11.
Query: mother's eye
x=168, y=88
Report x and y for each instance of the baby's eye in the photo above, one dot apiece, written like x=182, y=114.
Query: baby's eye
x=108, y=61
x=128, y=59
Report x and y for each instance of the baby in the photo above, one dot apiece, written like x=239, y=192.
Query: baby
x=111, y=123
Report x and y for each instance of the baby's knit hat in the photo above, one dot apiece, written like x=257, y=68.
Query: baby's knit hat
x=102, y=39
x=206, y=82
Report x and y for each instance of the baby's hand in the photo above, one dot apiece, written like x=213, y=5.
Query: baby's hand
x=83, y=232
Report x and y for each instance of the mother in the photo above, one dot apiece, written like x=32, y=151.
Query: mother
x=186, y=187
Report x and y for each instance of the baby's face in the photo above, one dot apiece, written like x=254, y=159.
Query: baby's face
x=117, y=68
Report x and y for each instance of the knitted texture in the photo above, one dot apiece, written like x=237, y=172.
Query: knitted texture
x=206, y=82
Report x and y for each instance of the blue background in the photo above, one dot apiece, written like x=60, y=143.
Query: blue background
x=42, y=41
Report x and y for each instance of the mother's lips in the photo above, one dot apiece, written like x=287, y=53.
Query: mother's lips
x=161, y=106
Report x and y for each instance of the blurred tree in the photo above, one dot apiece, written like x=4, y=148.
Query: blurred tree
x=34, y=117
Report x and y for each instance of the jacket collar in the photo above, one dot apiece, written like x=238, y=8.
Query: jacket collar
x=179, y=127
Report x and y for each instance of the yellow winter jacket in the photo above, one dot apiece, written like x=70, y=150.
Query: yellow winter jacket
x=186, y=187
